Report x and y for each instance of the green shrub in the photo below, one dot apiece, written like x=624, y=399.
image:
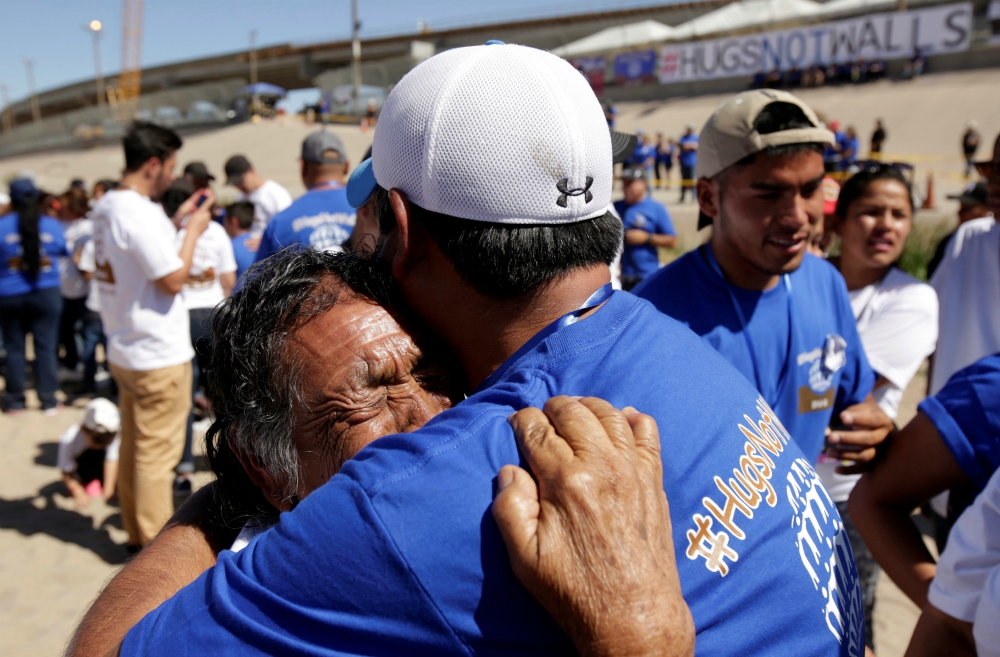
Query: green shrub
x=920, y=246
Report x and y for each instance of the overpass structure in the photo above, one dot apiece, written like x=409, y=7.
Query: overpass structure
x=384, y=59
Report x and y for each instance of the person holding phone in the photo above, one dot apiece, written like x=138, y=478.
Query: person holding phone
x=140, y=274
x=211, y=279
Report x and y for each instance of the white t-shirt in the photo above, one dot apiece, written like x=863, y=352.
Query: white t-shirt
x=213, y=256
x=71, y=284
x=898, y=324
x=146, y=328
x=268, y=200
x=73, y=443
x=966, y=585
x=89, y=264
x=968, y=288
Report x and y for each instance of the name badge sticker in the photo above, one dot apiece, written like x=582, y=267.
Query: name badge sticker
x=810, y=402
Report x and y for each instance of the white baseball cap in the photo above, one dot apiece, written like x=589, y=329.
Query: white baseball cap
x=102, y=416
x=496, y=133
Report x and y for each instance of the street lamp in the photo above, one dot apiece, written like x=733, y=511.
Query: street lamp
x=95, y=30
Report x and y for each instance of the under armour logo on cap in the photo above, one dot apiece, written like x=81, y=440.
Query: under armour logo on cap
x=584, y=191
x=469, y=117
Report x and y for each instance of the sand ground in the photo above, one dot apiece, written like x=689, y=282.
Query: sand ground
x=57, y=556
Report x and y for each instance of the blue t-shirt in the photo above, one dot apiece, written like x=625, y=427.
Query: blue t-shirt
x=688, y=158
x=824, y=360
x=643, y=155
x=399, y=553
x=321, y=219
x=849, y=150
x=14, y=279
x=641, y=260
x=966, y=412
x=244, y=256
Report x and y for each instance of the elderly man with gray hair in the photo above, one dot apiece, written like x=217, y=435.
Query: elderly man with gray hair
x=282, y=384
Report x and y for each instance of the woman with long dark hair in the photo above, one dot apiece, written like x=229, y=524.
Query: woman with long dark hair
x=897, y=314
x=30, y=302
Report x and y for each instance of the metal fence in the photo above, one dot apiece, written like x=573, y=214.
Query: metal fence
x=186, y=108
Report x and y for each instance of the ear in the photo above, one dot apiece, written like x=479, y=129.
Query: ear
x=707, y=193
x=152, y=168
x=273, y=491
x=407, y=243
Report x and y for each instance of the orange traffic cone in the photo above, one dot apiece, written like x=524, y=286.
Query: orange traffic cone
x=929, y=199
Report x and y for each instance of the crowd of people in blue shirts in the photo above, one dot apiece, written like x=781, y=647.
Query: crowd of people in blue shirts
x=773, y=368
x=657, y=159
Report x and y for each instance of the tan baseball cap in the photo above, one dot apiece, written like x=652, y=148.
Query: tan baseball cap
x=730, y=134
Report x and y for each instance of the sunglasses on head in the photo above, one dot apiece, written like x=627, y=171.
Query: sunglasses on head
x=879, y=166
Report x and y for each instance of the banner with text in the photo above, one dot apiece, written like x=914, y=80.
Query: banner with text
x=593, y=69
x=635, y=67
x=893, y=35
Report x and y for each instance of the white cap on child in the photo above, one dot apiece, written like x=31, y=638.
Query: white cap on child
x=102, y=416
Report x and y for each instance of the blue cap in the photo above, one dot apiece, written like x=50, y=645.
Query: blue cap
x=495, y=42
x=361, y=184
x=22, y=189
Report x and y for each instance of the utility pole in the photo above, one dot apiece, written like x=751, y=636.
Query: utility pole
x=255, y=99
x=6, y=122
x=95, y=30
x=356, y=54
x=29, y=68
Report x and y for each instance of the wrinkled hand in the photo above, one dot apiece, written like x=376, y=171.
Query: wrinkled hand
x=591, y=541
x=870, y=427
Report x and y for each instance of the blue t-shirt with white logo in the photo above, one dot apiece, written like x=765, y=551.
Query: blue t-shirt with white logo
x=244, y=256
x=810, y=361
x=321, y=219
x=641, y=260
x=643, y=155
x=14, y=279
x=688, y=158
x=399, y=553
x=966, y=412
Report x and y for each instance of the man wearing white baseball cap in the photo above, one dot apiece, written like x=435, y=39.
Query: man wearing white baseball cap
x=491, y=176
x=779, y=314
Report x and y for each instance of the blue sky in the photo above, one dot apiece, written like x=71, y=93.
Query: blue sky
x=51, y=33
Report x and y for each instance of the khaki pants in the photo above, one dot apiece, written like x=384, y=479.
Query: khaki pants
x=154, y=407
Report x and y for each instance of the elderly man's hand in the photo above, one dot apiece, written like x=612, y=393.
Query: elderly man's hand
x=869, y=426
x=592, y=539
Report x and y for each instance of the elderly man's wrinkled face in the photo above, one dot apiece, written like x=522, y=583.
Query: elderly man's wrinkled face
x=361, y=376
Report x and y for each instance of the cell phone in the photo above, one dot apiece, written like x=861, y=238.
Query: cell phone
x=200, y=202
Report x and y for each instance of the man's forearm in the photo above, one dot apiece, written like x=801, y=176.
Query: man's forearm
x=937, y=633
x=185, y=548
x=172, y=561
x=895, y=543
x=664, y=241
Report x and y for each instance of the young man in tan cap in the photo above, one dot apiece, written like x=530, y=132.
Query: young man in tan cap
x=780, y=315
